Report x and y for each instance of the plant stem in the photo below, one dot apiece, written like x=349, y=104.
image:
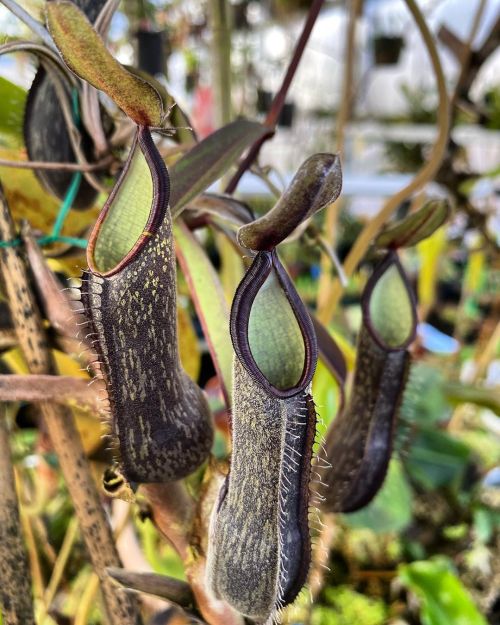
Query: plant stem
x=59, y=566
x=174, y=513
x=344, y=113
x=57, y=166
x=34, y=25
x=279, y=99
x=465, y=58
x=169, y=588
x=60, y=389
x=60, y=424
x=15, y=580
x=221, y=56
x=426, y=173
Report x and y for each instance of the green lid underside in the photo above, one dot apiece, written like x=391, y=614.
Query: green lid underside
x=127, y=216
x=391, y=309
x=274, y=335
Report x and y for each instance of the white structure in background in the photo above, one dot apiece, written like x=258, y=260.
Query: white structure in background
x=317, y=84
x=378, y=92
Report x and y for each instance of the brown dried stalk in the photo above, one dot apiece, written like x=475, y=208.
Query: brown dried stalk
x=424, y=175
x=15, y=579
x=174, y=513
x=279, y=99
x=60, y=389
x=103, y=164
x=121, y=609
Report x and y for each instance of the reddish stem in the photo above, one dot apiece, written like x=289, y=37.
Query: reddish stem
x=279, y=98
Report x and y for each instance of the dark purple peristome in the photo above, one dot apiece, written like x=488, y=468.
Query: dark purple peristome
x=160, y=418
x=296, y=537
x=359, y=441
x=265, y=262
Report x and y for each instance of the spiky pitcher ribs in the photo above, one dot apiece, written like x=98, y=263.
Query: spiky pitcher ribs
x=160, y=418
x=259, y=539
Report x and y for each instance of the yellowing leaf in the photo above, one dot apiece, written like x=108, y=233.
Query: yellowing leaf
x=430, y=251
x=85, y=54
x=28, y=200
x=474, y=272
x=67, y=366
x=208, y=298
x=326, y=395
x=15, y=362
x=90, y=427
x=346, y=348
x=231, y=270
x=188, y=344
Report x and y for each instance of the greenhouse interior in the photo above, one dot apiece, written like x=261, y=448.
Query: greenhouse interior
x=250, y=271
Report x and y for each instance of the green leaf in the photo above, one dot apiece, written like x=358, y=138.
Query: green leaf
x=209, y=300
x=423, y=400
x=458, y=393
x=415, y=227
x=210, y=159
x=86, y=55
x=390, y=511
x=159, y=554
x=349, y=608
x=12, y=100
x=444, y=599
x=436, y=459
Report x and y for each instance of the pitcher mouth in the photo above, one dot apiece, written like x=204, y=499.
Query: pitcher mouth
x=391, y=260
x=264, y=263
x=142, y=146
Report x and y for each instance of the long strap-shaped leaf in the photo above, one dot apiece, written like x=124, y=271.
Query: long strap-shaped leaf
x=210, y=159
x=208, y=297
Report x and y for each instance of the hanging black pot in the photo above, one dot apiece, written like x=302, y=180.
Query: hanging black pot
x=387, y=49
x=264, y=102
x=239, y=15
x=264, y=99
x=152, y=56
